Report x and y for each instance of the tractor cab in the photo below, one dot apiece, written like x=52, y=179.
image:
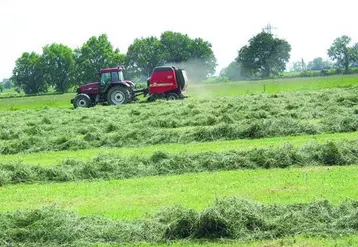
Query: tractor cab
x=109, y=76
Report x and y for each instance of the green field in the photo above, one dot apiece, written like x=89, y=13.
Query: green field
x=227, y=122
x=200, y=90
x=291, y=242
x=134, y=198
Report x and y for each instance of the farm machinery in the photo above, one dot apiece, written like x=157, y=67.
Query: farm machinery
x=166, y=82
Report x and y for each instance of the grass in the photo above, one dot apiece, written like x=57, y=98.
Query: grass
x=347, y=241
x=48, y=159
x=194, y=120
x=136, y=198
x=272, y=86
x=219, y=114
x=199, y=90
x=35, y=102
x=231, y=218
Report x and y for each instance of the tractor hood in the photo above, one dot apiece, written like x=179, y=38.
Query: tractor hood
x=89, y=88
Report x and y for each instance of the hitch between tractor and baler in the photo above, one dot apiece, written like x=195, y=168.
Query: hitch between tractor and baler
x=139, y=92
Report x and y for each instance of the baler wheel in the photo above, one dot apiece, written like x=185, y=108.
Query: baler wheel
x=172, y=96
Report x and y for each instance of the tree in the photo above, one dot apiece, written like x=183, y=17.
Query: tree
x=299, y=66
x=28, y=74
x=194, y=55
x=143, y=56
x=233, y=72
x=1, y=87
x=319, y=64
x=355, y=55
x=265, y=55
x=7, y=84
x=342, y=53
x=95, y=54
x=176, y=46
x=59, y=66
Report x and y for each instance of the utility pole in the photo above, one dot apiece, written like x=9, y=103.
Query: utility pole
x=268, y=28
x=303, y=65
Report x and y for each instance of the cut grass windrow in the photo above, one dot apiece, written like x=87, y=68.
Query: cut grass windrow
x=180, y=122
x=231, y=218
x=160, y=163
x=52, y=158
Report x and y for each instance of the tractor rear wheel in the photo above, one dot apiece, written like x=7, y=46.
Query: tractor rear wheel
x=118, y=95
x=82, y=100
x=172, y=96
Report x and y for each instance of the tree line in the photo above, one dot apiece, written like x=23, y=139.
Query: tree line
x=62, y=68
x=265, y=55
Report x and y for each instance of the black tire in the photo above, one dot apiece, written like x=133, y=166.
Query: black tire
x=151, y=98
x=82, y=100
x=172, y=96
x=118, y=95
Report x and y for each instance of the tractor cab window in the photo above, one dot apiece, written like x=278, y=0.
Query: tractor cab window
x=117, y=76
x=120, y=76
x=105, y=78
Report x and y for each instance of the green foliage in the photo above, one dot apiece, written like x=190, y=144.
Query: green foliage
x=194, y=55
x=233, y=72
x=95, y=54
x=143, y=55
x=59, y=66
x=342, y=53
x=28, y=74
x=299, y=66
x=319, y=64
x=7, y=84
x=230, y=218
x=265, y=55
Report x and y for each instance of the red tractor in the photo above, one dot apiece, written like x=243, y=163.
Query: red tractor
x=166, y=82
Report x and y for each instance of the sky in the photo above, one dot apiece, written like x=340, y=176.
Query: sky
x=310, y=26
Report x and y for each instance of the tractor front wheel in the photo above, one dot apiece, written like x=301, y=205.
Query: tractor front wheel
x=82, y=100
x=118, y=95
x=172, y=96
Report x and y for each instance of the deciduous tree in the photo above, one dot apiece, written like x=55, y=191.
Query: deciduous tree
x=265, y=55
x=28, y=73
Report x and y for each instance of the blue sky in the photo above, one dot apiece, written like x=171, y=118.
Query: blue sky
x=309, y=26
